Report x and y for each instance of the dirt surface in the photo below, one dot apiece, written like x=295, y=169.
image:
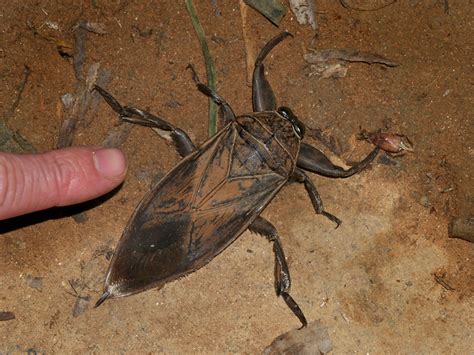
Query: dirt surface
x=389, y=280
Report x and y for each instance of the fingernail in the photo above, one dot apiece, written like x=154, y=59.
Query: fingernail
x=110, y=163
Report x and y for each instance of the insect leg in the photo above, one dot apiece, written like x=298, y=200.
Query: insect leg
x=177, y=136
x=300, y=176
x=227, y=112
x=263, y=98
x=282, y=274
x=314, y=160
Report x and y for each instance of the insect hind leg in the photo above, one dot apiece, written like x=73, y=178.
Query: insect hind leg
x=166, y=130
x=282, y=274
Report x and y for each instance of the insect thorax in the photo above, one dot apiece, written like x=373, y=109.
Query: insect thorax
x=273, y=137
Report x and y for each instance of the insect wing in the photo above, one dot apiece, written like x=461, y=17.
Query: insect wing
x=194, y=212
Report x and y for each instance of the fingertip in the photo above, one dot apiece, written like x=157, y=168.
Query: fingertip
x=57, y=178
x=110, y=163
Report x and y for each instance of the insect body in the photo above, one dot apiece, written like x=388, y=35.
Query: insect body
x=217, y=191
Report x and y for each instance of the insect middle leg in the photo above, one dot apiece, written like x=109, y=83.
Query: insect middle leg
x=282, y=274
x=300, y=176
x=177, y=136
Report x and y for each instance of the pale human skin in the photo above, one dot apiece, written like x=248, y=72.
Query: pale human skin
x=33, y=182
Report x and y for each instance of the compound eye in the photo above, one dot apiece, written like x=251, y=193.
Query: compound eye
x=298, y=127
x=285, y=112
x=298, y=131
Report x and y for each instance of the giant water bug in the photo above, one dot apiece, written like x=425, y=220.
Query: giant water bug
x=218, y=190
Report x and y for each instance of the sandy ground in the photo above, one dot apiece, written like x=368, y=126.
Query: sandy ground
x=389, y=280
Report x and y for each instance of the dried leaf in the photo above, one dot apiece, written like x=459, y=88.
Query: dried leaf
x=305, y=12
x=326, y=71
x=314, y=339
x=271, y=9
x=348, y=55
x=365, y=5
x=95, y=27
x=81, y=305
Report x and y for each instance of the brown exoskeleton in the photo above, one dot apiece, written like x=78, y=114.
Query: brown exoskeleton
x=218, y=191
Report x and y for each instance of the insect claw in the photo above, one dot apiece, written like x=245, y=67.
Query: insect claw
x=332, y=218
x=110, y=100
x=193, y=73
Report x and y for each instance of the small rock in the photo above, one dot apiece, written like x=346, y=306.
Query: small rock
x=172, y=104
x=81, y=305
x=80, y=218
x=425, y=201
x=35, y=282
x=314, y=339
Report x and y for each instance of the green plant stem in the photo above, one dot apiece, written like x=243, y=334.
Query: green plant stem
x=210, y=71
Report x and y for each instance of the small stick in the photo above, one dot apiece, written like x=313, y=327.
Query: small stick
x=15, y=136
x=439, y=279
x=79, y=50
x=21, y=88
x=250, y=50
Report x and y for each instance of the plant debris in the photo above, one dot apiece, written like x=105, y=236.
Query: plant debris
x=5, y=315
x=273, y=10
x=79, y=52
x=305, y=12
x=250, y=45
x=117, y=135
x=356, y=4
x=12, y=141
x=440, y=277
x=327, y=71
x=34, y=282
x=94, y=27
x=81, y=305
x=64, y=47
x=20, y=89
x=347, y=55
x=314, y=339
x=76, y=105
x=90, y=279
x=210, y=71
